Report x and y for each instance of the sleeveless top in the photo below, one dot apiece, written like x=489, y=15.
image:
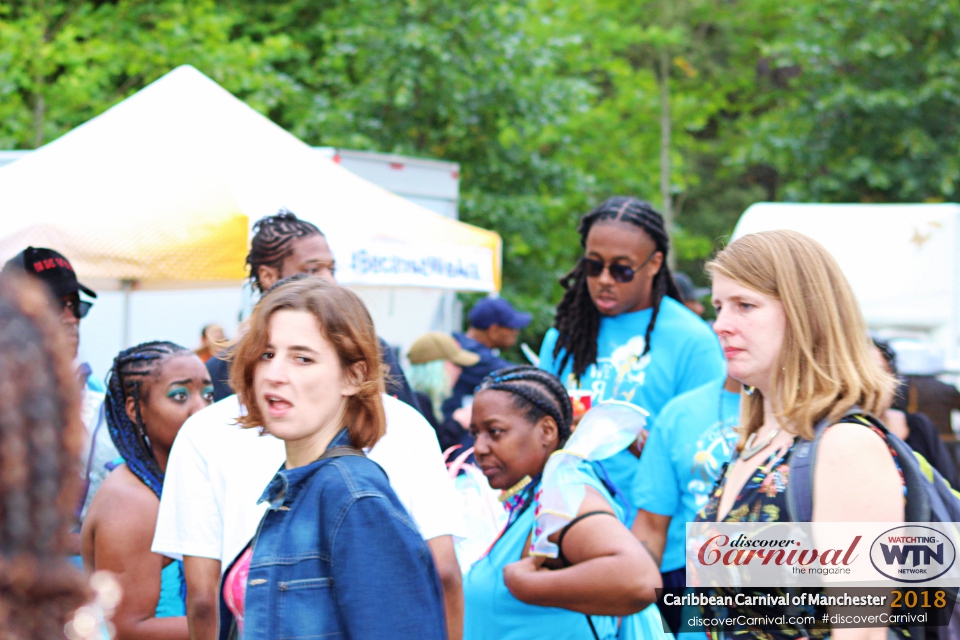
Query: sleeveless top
x=492, y=613
x=235, y=587
x=173, y=592
x=764, y=499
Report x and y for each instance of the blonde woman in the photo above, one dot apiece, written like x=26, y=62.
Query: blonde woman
x=792, y=333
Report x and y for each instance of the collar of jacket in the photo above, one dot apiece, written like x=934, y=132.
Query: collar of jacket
x=287, y=483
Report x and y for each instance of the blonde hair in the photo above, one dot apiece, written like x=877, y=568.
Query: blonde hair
x=825, y=365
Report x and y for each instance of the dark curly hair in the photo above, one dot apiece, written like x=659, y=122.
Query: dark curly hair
x=577, y=320
x=273, y=238
x=537, y=393
x=40, y=439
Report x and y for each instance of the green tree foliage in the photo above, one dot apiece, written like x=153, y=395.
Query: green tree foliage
x=63, y=62
x=867, y=104
x=549, y=106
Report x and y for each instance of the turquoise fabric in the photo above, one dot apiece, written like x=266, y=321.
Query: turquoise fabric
x=172, y=592
x=492, y=613
x=695, y=436
x=684, y=354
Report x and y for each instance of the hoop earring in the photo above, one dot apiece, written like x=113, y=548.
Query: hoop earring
x=747, y=389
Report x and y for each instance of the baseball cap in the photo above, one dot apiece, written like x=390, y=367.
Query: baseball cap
x=687, y=291
x=491, y=311
x=51, y=267
x=440, y=346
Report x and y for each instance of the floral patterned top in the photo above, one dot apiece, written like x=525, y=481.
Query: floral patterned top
x=764, y=499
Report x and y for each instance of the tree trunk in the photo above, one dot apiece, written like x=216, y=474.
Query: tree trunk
x=39, y=113
x=665, y=194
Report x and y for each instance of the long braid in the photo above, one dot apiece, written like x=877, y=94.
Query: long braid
x=130, y=369
x=273, y=238
x=536, y=392
x=577, y=319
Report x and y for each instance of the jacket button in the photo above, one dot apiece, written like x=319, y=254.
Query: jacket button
x=283, y=586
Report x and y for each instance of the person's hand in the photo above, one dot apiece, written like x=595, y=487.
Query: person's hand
x=463, y=416
x=518, y=576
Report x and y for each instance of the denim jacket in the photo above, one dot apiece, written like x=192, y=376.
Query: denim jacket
x=337, y=556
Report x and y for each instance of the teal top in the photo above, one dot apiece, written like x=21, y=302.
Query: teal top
x=684, y=354
x=173, y=592
x=492, y=613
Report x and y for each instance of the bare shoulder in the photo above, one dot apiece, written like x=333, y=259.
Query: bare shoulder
x=852, y=444
x=123, y=499
x=856, y=458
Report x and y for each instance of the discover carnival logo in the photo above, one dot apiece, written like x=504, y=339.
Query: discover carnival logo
x=912, y=553
x=814, y=554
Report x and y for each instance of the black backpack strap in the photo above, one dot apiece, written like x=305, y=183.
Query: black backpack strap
x=802, y=463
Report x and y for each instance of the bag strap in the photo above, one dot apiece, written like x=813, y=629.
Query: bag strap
x=804, y=458
x=340, y=452
x=802, y=463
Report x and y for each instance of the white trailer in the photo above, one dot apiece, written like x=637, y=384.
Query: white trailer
x=903, y=262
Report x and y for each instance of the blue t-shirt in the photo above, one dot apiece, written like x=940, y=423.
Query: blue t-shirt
x=682, y=458
x=684, y=354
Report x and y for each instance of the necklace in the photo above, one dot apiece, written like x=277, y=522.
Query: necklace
x=515, y=489
x=750, y=449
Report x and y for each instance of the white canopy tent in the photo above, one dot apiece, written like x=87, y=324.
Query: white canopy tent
x=902, y=261
x=158, y=193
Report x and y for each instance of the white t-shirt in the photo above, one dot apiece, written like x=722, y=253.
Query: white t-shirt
x=217, y=472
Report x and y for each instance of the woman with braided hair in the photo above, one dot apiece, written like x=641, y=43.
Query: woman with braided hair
x=151, y=390
x=521, y=416
x=621, y=331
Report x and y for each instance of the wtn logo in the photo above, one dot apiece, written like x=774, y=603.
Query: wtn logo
x=922, y=554
x=912, y=553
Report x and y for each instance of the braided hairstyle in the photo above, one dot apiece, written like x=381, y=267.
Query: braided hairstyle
x=536, y=392
x=130, y=369
x=273, y=238
x=40, y=441
x=577, y=320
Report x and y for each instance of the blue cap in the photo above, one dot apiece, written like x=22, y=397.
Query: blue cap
x=491, y=311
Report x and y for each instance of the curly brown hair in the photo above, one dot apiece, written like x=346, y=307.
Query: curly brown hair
x=40, y=440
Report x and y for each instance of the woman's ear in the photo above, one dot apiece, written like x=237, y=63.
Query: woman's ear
x=353, y=378
x=549, y=433
x=131, y=409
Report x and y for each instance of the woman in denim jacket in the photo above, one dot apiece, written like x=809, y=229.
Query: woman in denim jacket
x=336, y=555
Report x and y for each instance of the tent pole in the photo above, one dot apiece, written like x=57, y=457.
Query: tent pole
x=126, y=286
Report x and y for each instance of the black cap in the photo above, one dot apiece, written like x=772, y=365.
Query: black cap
x=687, y=291
x=51, y=267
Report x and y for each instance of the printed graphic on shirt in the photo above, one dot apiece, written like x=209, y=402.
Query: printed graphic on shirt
x=714, y=447
x=618, y=376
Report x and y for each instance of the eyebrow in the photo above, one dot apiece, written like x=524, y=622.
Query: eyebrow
x=186, y=381
x=300, y=347
x=594, y=253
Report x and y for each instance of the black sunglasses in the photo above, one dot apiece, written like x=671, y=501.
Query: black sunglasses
x=619, y=272
x=79, y=308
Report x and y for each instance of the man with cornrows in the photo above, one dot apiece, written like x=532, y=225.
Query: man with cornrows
x=621, y=332
x=284, y=245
